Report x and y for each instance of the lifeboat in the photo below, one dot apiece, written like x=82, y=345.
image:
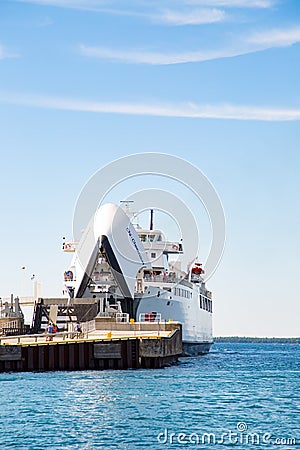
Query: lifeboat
x=197, y=269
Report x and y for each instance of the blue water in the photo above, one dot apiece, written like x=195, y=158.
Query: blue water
x=238, y=388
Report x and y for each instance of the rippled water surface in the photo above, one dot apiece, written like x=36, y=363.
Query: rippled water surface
x=237, y=388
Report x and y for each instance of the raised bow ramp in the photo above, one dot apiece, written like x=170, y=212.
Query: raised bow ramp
x=111, y=232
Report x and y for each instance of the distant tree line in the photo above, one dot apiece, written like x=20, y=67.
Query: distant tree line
x=268, y=340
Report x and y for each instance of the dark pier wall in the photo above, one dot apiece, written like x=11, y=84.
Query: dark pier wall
x=71, y=356
x=95, y=355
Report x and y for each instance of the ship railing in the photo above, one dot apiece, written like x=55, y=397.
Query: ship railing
x=42, y=337
x=23, y=300
x=10, y=324
x=164, y=278
x=150, y=317
x=108, y=314
x=88, y=326
x=122, y=317
x=91, y=324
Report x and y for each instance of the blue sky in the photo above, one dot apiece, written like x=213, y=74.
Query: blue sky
x=215, y=82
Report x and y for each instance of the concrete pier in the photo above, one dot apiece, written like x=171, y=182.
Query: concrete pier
x=102, y=345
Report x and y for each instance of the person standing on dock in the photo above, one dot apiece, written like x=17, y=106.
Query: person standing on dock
x=49, y=331
x=78, y=329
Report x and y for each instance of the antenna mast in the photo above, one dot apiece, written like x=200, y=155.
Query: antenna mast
x=151, y=219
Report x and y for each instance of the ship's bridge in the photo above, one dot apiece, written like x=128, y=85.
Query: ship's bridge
x=158, y=250
x=155, y=240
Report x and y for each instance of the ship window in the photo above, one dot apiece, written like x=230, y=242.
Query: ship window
x=153, y=255
x=143, y=237
x=159, y=237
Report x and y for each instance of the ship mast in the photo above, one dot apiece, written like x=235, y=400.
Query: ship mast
x=151, y=219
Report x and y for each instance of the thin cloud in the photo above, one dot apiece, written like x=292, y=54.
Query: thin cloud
x=86, y=5
x=141, y=8
x=156, y=58
x=4, y=53
x=191, y=17
x=277, y=38
x=94, y=4
x=233, y=3
x=251, y=44
x=67, y=3
x=183, y=110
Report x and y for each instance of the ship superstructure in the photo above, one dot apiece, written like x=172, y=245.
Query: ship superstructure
x=136, y=273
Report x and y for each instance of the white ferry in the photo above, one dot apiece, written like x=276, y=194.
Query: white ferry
x=130, y=271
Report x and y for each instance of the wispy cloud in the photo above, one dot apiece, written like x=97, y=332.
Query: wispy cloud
x=67, y=3
x=140, y=6
x=5, y=53
x=185, y=110
x=234, y=3
x=89, y=5
x=191, y=17
x=248, y=44
x=156, y=58
x=82, y=4
x=277, y=37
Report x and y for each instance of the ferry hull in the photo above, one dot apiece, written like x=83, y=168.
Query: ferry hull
x=196, y=323
x=195, y=348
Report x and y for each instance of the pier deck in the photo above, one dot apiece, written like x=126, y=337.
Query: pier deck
x=102, y=345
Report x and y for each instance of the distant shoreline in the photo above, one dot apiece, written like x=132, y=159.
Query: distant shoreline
x=267, y=340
